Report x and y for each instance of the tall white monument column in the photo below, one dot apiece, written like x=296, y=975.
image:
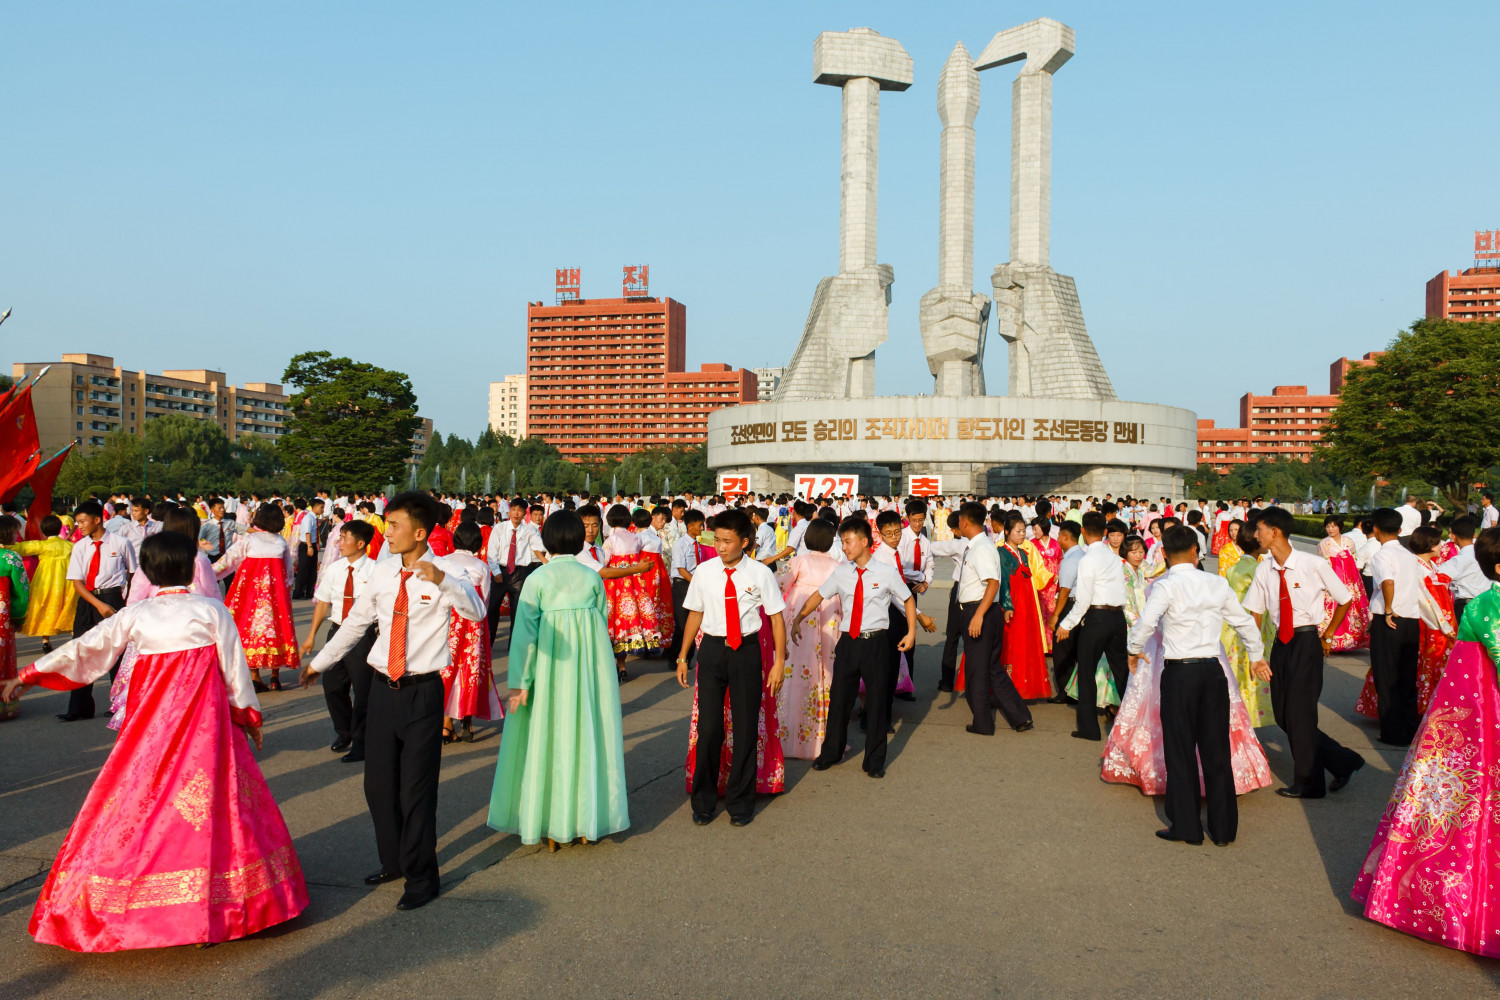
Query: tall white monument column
x=849, y=317
x=1036, y=309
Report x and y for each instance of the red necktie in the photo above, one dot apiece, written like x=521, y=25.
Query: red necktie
x=93, y=577
x=348, y=593
x=731, y=611
x=1284, y=626
x=396, y=662
x=510, y=560
x=916, y=556
x=857, y=613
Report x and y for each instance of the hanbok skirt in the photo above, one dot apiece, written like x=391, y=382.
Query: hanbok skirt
x=7, y=634
x=770, y=765
x=179, y=840
x=469, y=682
x=1024, y=650
x=1432, y=870
x=802, y=702
x=1354, y=631
x=1134, y=753
x=634, y=609
x=53, y=600
x=262, y=607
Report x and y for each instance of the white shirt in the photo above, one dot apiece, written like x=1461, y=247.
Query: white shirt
x=980, y=562
x=951, y=548
x=684, y=556
x=1396, y=563
x=650, y=540
x=330, y=588
x=593, y=556
x=1489, y=517
x=258, y=545
x=117, y=524
x=1100, y=581
x=1192, y=606
x=1357, y=540
x=427, y=617
x=1067, y=570
x=795, y=535
x=882, y=586
x=765, y=540
x=754, y=587
x=528, y=544
x=1308, y=576
x=912, y=569
x=117, y=561
x=1411, y=519
x=1468, y=580
x=135, y=533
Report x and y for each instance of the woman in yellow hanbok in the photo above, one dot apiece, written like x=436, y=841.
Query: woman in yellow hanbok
x=1255, y=693
x=52, y=595
x=1230, y=551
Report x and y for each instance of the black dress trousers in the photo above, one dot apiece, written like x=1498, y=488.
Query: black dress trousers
x=1101, y=633
x=894, y=633
x=403, y=759
x=506, y=584
x=987, y=686
x=1064, y=653
x=855, y=659
x=81, y=700
x=1296, y=686
x=737, y=672
x=679, y=616
x=1394, y=653
x=1194, y=729
x=957, y=622
x=346, y=688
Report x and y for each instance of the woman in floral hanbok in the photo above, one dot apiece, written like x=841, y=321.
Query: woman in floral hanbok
x=1354, y=633
x=1024, y=651
x=1436, y=626
x=260, y=598
x=1231, y=550
x=1432, y=870
x=469, y=681
x=1049, y=551
x=1254, y=692
x=634, y=617
x=802, y=703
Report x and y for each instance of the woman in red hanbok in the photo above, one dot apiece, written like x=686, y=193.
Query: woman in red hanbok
x=635, y=620
x=260, y=598
x=770, y=764
x=179, y=840
x=1024, y=651
x=469, y=682
x=1437, y=627
x=1354, y=633
x=651, y=551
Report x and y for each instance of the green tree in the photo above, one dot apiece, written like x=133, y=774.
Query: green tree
x=1427, y=409
x=352, y=423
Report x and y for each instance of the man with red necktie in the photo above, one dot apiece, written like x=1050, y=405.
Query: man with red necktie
x=866, y=589
x=1290, y=587
x=725, y=598
x=100, y=568
x=515, y=549
x=410, y=595
x=346, y=685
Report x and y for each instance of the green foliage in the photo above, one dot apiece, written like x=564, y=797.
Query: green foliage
x=1285, y=479
x=538, y=467
x=352, y=423
x=1428, y=409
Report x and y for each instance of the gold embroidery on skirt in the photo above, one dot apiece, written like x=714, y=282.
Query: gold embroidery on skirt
x=191, y=885
x=192, y=800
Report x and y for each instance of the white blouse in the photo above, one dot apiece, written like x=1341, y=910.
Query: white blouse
x=471, y=568
x=258, y=544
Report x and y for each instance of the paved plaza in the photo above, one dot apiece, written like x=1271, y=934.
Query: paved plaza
x=977, y=867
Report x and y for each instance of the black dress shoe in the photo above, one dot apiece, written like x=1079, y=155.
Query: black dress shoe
x=1058, y=699
x=741, y=820
x=977, y=732
x=353, y=756
x=65, y=717
x=702, y=819
x=341, y=746
x=381, y=877
x=415, y=900
x=1341, y=780
x=1222, y=843
x=905, y=696
x=1169, y=835
x=822, y=765
x=1025, y=727
x=1294, y=793
x=1080, y=736
x=877, y=773
x=946, y=687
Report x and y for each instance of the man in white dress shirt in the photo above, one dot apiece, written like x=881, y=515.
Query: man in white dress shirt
x=1289, y=587
x=725, y=598
x=515, y=550
x=984, y=605
x=99, y=569
x=1489, y=514
x=1099, y=615
x=410, y=597
x=1065, y=651
x=1395, y=629
x=1468, y=580
x=346, y=685
x=867, y=588
x=141, y=525
x=680, y=567
x=1411, y=518
x=1191, y=607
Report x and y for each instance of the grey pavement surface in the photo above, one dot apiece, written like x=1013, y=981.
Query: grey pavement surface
x=977, y=867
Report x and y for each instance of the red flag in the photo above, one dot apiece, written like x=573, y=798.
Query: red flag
x=18, y=444
x=41, y=484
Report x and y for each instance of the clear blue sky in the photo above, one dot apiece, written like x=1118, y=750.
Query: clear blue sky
x=1243, y=193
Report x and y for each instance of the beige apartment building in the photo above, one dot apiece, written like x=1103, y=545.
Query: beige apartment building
x=508, y=406
x=86, y=396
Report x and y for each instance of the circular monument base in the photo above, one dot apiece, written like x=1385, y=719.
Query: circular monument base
x=999, y=445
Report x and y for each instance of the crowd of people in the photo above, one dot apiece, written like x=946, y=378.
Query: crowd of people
x=790, y=617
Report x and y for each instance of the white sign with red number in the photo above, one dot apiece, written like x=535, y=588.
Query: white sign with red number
x=733, y=486
x=924, y=486
x=810, y=486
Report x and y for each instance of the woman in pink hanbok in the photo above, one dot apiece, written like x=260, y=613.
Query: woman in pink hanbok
x=1134, y=753
x=1051, y=552
x=179, y=840
x=1432, y=870
x=1354, y=633
x=802, y=703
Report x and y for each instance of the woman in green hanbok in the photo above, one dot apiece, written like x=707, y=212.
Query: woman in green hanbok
x=561, y=773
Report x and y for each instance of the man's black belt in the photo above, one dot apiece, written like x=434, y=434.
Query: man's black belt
x=1193, y=661
x=407, y=680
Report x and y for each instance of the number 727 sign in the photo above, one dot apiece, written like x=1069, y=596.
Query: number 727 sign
x=810, y=486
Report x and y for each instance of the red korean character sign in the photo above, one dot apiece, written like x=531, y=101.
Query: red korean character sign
x=636, y=280
x=811, y=485
x=924, y=486
x=733, y=485
x=1486, y=247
